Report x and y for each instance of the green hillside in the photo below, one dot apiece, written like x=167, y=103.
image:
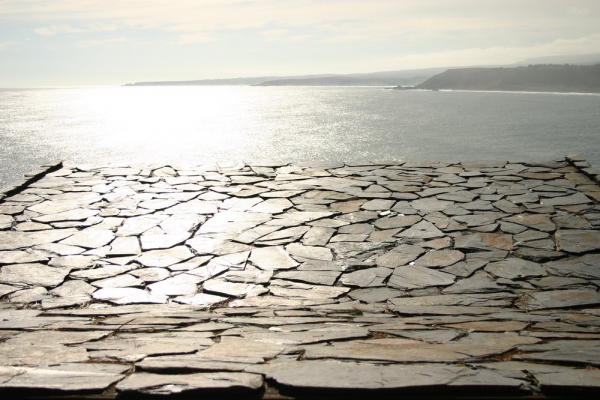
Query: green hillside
x=535, y=78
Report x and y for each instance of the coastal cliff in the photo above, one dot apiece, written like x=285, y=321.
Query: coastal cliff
x=534, y=78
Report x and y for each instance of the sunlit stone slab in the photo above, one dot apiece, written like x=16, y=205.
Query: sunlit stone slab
x=128, y=296
x=272, y=258
x=64, y=377
x=90, y=238
x=160, y=384
x=33, y=274
x=11, y=240
x=165, y=258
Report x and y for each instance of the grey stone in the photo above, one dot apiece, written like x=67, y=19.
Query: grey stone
x=479, y=282
x=353, y=250
x=524, y=198
x=90, y=238
x=395, y=350
x=586, y=267
x=309, y=252
x=100, y=273
x=577, y=241
x=272, y=206
x=474, y=220
x=356, y=229
x=458, y=196
x=201, y=299
x=421, y=230
x=137, y=225
x=233, y=222
x=378, y=205
x=439, y=259
x=166, y=241
x=6, y=289
x=476, y=300
x=11, y=240
x=249, y=275
x=484, y=241
x=33, y=274
x=317, y=236
x=374, y=295
x=22, y=256
x=179, y=285
x=73, y=262
x=399, y=221
x=538, y=255
x=67, y=301
x=27, y=354
x=64, y=377
x=78, y=214
x=216, y=246
x=194, y=207
x=287, y=235
x=73, y=288
x=556, y=282
x=430, y=204
x=464, y=269
x=540, y=222
x=326, y=277
x=31, y=295
x=348, y=238
x=273, y=258
x=317, y=333
x=490, y=326
x=351, y=375
x=234, y=349
x=415, y=277
x=568, y=378
x=305, y=291
x=571, y=351
x=560, y=299
x=60, y=249
x=228, y=288
x=128, y=296
x=151, y=274
x=577, y=198
x=400, y=255
x=119, y=281
x=567, y=221
x=165, y=258
x=6, y=221
x=516, y=268
x=370, y=277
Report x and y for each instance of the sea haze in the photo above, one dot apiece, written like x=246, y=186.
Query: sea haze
x=194, y=125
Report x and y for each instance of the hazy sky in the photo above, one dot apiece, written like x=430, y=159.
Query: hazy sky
x=111, y=42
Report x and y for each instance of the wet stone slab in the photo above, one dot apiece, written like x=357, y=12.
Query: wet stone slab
x=324, y=279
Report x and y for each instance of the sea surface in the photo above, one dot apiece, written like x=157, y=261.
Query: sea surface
x=195, y=125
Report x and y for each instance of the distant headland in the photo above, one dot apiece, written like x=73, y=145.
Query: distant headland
x=566, y=73
x=533, y=78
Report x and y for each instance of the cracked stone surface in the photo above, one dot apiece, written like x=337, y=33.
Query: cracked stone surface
x=322, y=278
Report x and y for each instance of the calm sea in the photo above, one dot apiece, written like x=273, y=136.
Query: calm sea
x=194, y=125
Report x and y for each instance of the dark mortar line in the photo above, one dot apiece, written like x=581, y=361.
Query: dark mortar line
x=30, y=178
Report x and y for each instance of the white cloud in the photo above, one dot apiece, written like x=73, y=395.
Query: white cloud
x=271, y=35
x=196, y=38
x=56, y=29
x=5, y=45
x=99, y=42
x=498, y=55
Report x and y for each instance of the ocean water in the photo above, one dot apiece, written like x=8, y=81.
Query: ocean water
x=194, y=125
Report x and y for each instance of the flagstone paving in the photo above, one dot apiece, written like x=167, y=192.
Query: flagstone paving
x=323, y=279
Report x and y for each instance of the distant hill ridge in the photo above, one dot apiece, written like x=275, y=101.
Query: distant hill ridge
x=534, y=78
x=406, y=77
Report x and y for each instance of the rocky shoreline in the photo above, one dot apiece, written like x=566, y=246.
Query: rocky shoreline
x=317, y=279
